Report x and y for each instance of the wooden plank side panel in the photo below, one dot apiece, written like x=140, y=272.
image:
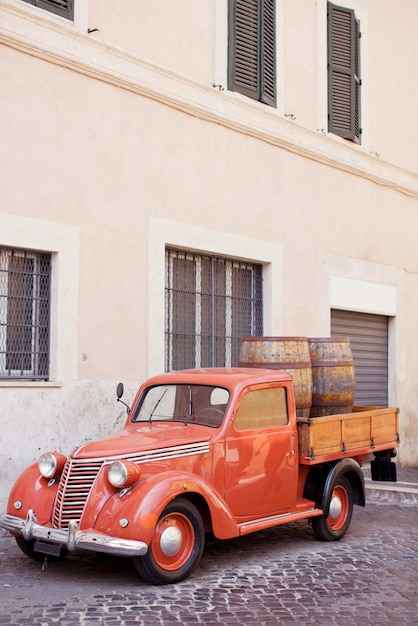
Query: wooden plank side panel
x=357, y=432
x=385, y=427
x=350, y=433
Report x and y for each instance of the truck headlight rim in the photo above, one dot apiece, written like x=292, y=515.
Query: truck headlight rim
x=51, y=464
x=122, y=474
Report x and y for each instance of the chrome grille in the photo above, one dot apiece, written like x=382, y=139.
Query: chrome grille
x=75, y=485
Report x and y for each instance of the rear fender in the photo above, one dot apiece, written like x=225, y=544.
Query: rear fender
x=321, y=482
x=140, y=508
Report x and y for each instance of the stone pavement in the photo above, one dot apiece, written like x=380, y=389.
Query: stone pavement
x=279, y=576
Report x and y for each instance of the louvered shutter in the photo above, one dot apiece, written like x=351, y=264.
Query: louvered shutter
x=252, y=55
x=65, y=8
x=343, y=73
x=268, y=57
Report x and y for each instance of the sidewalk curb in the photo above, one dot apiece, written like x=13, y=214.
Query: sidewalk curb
x=403, y=492
x=392, y=493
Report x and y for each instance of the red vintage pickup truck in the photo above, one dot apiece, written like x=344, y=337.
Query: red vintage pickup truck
x=216, y=451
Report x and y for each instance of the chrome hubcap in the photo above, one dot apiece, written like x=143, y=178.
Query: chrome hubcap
x=170, y=541
x=335, y=507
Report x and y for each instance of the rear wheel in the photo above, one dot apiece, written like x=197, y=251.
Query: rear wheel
x=176, y=546
x=336, y=524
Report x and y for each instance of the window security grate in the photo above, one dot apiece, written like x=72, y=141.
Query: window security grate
x=210, y=304
x=25, y=281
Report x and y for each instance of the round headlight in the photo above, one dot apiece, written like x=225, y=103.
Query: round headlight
x=51, y=464
x=123, y=474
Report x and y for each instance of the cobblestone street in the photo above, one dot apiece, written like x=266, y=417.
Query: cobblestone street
x=283, y=575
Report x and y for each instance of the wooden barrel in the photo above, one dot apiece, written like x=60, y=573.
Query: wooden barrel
x=333, y=376
x=290, y=354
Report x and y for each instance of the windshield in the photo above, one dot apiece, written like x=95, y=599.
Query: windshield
x=191, y=404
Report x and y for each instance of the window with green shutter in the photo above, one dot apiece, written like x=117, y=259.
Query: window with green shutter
x=343, y=73
x=252, y=53
x=64, y=8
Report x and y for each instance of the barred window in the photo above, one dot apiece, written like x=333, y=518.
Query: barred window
x=64, y=8
x=25, y=281
x=210, y=304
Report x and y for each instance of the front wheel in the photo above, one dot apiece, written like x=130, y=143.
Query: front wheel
x=334, y=527
x=176, y=546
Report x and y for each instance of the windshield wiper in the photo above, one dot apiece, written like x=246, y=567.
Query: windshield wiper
x=156, y=404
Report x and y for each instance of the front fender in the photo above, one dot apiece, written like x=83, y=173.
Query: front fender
x=32, y=491
x=140, y=507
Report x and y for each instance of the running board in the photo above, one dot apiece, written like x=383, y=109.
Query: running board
x=275, y=520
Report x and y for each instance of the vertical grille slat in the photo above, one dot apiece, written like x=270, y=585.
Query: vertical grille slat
x=75, y=485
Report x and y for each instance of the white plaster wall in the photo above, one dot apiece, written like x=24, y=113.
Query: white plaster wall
x=36, y=418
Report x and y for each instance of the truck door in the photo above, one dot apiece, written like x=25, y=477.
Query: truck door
x=261, y=461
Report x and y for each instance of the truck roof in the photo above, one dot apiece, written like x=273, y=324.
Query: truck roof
x=221, y=376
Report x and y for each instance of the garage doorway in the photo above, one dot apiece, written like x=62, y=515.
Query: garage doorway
x=368, y=335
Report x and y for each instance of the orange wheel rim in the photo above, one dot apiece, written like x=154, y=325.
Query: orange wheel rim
x=173, y=541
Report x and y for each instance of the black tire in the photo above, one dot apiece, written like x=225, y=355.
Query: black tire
x=181, y=528
x=334, y=527
x=27, y=548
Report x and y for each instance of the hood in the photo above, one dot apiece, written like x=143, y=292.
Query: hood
x=141, y=438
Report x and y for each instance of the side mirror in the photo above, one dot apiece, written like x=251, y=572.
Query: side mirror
x=119, y=391
x=119, y=394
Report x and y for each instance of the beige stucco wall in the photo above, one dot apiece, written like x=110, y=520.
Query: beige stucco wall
x=175, y=35
x=190, y=38
x=106, y=158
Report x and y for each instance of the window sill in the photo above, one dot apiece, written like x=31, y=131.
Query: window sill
x=30, y=383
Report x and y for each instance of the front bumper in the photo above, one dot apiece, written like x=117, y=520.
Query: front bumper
x=73, y=538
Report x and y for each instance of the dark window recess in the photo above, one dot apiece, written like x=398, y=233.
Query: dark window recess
x=25, y=281
x=344, y=82
x=64, y=8
x=252, y=54
x=210, y=304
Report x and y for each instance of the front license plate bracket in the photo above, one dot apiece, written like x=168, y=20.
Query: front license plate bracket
x=48, y=549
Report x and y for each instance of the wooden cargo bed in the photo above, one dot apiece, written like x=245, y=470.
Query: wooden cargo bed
x=365, y=430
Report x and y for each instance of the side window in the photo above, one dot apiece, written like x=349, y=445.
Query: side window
x=25, y=282
x=64, y=8
x=343, y=73
x=262, y=408
x=251, y=49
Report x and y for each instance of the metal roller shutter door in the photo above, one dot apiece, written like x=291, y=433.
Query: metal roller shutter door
x=369, y=343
